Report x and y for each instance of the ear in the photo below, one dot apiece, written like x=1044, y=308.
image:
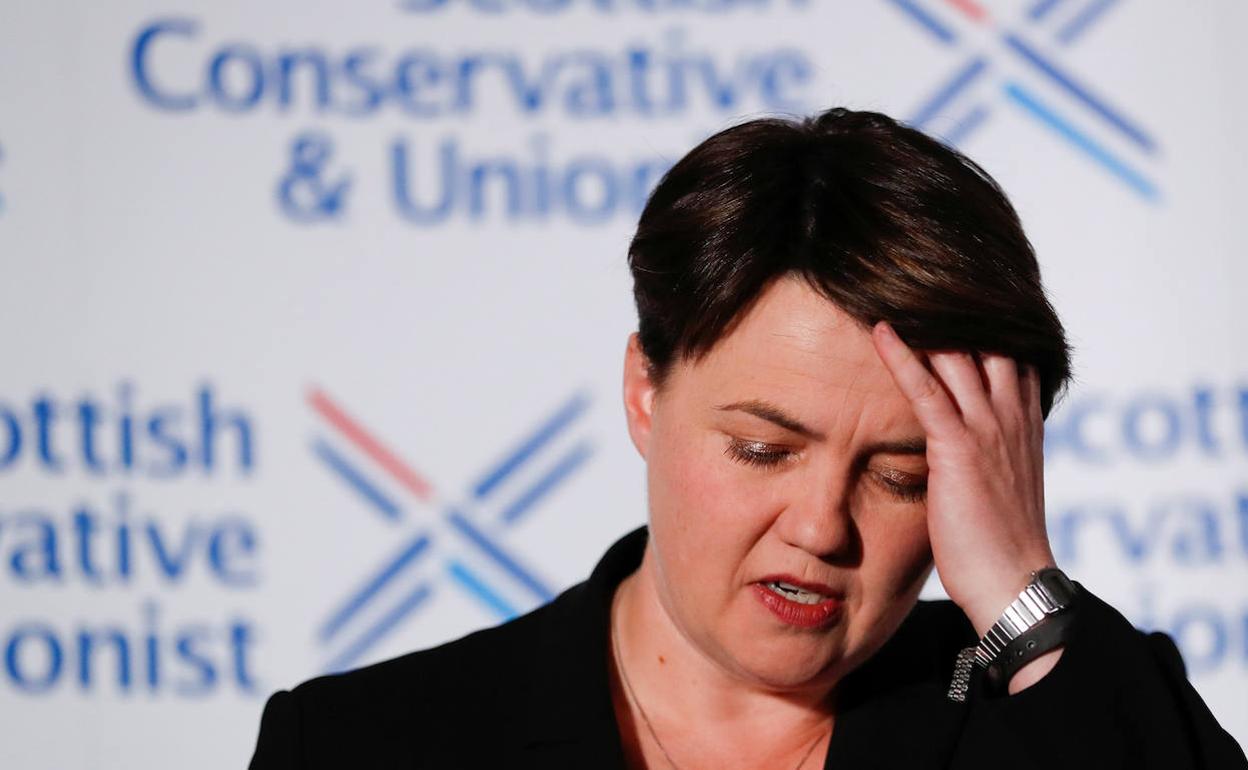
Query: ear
x=639, y=394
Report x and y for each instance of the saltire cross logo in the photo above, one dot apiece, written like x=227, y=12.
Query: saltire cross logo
x=1030, y=80
x=459, y=542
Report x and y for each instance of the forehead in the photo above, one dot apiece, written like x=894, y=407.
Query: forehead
x=796, y=347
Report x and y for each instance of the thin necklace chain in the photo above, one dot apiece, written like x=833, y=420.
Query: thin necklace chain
x=619, y=663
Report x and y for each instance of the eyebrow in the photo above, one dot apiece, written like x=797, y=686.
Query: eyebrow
x=774, y=414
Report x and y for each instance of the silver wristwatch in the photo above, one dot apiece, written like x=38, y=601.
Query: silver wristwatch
x=1048, y=593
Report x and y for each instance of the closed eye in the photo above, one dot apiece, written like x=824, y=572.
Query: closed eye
x=757, y=453
x=903, y=486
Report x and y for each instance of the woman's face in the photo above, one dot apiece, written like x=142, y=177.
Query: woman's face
x=786, y=451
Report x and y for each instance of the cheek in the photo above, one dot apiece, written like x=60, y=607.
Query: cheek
x=701, y=504
x=896, y=550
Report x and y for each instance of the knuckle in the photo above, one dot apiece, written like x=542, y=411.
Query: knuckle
x=928, y=390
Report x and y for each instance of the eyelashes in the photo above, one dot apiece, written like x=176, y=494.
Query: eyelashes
x=760, y=454
x=756, y=453
x=911, y=493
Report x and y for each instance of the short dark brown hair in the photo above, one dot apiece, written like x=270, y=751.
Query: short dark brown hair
x=884, y=221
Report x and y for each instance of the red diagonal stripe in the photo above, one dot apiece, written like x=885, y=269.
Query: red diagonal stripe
x=409, y=478
x=970, y=8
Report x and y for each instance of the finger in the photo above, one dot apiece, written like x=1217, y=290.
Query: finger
x=1029, y=385
x=1004, y=385
x=932, y=406
x=958, y=370
x=1029, y=390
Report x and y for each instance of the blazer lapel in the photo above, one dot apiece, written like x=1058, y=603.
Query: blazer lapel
x=567, y=719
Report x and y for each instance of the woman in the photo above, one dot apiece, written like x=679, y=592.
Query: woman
x=843, y=363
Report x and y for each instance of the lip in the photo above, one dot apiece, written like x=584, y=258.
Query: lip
x=818, y=588
x=795, y=613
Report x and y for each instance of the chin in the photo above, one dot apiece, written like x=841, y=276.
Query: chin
x=792, y=663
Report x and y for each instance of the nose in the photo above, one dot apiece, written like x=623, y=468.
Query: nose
x=819, y=518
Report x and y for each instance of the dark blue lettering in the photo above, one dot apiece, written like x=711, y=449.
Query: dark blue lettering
x=45, y=415
x=151, y=643
x=175, y=449
x=88, y=419
x=1199, y=540
x=1136, y=546
x=1156, y=448
x=84, y=532
x=312, y=60
x=414, y=75
x=139, y=63
x=38, y=556
x=172, y=564
x=241, y=637
x=578, y=208
x=591, y=95
x=125, y=427
x=86, y=644
x=12, y=429
x=1202, y=400
x=1072, y=432
x=354, y=70
x=210, y=422
x=123, y=536
x=188, y=652
x=479, y=175
x=778, y=74
x=230, y=548
x=245, y=60
x=408, y=208
x=18, y=674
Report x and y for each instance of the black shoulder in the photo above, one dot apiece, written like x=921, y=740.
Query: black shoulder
x=469, y=668
x=402, y=711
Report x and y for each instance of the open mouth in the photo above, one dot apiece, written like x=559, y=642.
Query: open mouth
x=798, y=603
x=795, y=593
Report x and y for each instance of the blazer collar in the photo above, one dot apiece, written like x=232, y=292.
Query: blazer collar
x=569, y=718
x=568, y=710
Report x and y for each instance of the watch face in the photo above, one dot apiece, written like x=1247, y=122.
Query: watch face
x=1056, y=585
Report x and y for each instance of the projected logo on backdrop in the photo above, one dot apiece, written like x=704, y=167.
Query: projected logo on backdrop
x=989, y=47
x=548, y=93
x=97, y=561
x=1179, y=527
x=459, y=543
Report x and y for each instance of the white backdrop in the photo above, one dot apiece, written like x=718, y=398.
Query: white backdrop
x=313, y=316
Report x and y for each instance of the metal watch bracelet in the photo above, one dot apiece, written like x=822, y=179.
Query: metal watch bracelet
x=1048, y=593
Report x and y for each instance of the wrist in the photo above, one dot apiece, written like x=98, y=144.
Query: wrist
x=985, y=606
x=1035, y=624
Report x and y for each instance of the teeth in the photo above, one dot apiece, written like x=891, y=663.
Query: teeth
x=795, y=594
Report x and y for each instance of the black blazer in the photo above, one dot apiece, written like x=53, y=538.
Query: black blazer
x=534, y=693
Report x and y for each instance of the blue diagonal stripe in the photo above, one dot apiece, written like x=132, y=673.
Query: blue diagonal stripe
x=544, y=433
x=1081, y=140
x=568, y=463
x=379, y=629
x=1083, y=20
x=361, y=597
x=1119, y=122
x=1041, y=9
x=478, y=538
x=967, y=125
x=929, y=22
x=960, y=80
x=357, y=480
x=477, y=587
